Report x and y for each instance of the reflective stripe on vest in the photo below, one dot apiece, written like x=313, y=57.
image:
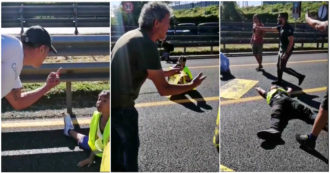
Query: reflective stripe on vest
x=93, y=130
x=271, y=93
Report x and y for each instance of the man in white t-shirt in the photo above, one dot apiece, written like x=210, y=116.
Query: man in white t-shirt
x=30, y=51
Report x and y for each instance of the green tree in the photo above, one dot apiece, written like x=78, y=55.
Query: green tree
x=230, y=12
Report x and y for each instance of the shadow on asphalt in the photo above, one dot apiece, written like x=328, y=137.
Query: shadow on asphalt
x=227, y=76
x=59, y=161
x=315, y=154
x=271, y=144
x=194, y=94
x=304, y=97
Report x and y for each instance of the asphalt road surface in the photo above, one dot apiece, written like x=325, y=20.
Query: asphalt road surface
x=241, y=149
x=178, y=137
x=173, y=136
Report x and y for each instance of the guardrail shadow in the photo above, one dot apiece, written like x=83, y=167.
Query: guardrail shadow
x=55, y=160
x=182, y=99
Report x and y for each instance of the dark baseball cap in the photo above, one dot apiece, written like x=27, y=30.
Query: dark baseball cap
x=37, y=36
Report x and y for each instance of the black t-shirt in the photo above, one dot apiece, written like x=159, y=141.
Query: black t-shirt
x=133, y=54
x=284, y=33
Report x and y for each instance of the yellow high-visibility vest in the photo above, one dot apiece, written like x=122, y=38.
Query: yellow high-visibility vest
x=271, y=93
x=216, y=132
x=93, y=142
x=105, y=163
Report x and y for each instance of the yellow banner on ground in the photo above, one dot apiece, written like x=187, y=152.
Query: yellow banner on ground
x=236, y=88
x=105, y=163
x=225, y=169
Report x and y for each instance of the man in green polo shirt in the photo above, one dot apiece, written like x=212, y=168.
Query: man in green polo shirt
x=135, y=58
x=286, y=47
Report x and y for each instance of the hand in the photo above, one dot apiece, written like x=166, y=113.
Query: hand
x=53, y=78
x=85, y=162
x=198, y=79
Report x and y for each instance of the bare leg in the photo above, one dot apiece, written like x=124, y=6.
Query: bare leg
x=77, y=136
x=320, y=121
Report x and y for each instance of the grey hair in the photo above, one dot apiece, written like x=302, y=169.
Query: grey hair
x=152, y=11
x=105, y=92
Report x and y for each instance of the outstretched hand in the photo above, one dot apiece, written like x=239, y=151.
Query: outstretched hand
x=198, y=79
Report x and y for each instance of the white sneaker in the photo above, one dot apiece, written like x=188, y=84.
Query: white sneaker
x=67, y=125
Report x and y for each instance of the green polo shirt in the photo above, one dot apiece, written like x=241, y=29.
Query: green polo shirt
x=133, y=54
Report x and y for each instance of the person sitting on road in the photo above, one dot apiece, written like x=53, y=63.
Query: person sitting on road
x=257, y=41
x=321, y=121
x=187, y=74
x=99, y=130
x=283, y=108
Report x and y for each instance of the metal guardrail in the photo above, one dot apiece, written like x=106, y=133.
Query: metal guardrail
x=71, y=72
x=55, y=15
x=80, y=45
x=64, y=15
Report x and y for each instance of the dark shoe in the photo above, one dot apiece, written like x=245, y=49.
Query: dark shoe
x=305, y=141
x=277, y=82
x=269, y=134
x=301, y=79
x=260, y=68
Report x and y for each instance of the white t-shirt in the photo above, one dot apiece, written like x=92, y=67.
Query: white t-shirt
x=11, y=63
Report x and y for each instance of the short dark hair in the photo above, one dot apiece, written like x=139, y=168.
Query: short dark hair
x=284, y=15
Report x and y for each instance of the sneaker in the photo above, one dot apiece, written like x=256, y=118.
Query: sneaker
x=260, y=68
x=301, y=79
x=269, y=134
x=305, y=141
x=67, y=125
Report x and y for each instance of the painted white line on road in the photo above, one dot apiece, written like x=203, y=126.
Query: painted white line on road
x=39, y=151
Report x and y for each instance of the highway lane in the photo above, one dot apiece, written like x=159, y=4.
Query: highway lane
x=241, y=149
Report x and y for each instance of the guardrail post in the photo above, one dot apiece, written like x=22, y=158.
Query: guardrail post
x=21, y=10
x=317, y=45
x=302, y=44
x=184, y=50
x=75, y=20
x=68, y=97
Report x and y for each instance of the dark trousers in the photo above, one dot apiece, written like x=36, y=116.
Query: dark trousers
x=286, y=108
x=124, y=140
x=281, y=66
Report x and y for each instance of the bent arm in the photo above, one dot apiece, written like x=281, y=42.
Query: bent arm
x=164, y=88
x=290, y=46
x=20, y=100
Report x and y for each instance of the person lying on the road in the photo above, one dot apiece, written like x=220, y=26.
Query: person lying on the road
x=31, y=50
x=99, y=130
x=283, y=108
x=316, y=24
x=185, y=75
x=321, y=121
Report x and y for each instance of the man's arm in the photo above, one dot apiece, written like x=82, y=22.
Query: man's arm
x=172, y=71
x=267, y=29
x=20, y=100
x=290, y=46
x=261, y=92
x=87, y=161
x=316, y=24
x=165, y=89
